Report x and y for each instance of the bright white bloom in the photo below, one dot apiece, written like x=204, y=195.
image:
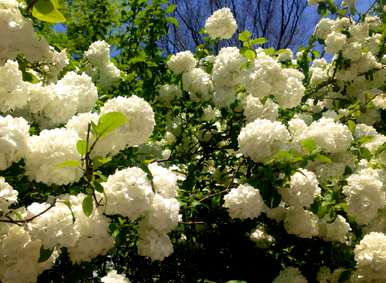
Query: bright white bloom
x=261, y=238
x=13, y=91
x=114, y=277
x=262, y=139
x=285, y=55
x=164, y=180
x=167, y=93
x=101, y=68
x=128, y=193
x=46, y=151
x=182, y=62
x=94, y=238
x=198, y=83
x=255, y=109
x=290, y=275
x=329, y=135
x=352, y=51
x=79, y=123
x=221, y=24
x=136, y=131
x=294, y=90
x=335, y=42
x=227, y=67
x=154, y=244
x=301, y=222
x=302, y=190
x=324, y=27
x=223, y=97
x=210, y=114
x=8, y=196
x=370, y=255
x=364, y=195
x=244, y=202
x=54, y=227
x=335, y=231
x=163, y=214
x=13, y=140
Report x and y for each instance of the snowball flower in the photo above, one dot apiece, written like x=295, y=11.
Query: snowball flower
x=46, y=151
x=244, y=202
x=365, y=195
x=128, y=193
x=13, y=140
x=154, y=244
x=335, y=42
x=262, y=139
x=182, y=62
x=221, y=24
x=301, y=222
x=114, y=277
x=335, y=231
x=255, y=109
x=198, y=83
x=302, y=190
x=370, y=255
x=329, y=135
x=8, y=196
x=167, y=93
x=164, y=180
x=290, y=275
x=137, y=130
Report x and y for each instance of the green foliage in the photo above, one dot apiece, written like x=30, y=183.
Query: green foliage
x=47, y=11
x=107, y=123
x=88, y=205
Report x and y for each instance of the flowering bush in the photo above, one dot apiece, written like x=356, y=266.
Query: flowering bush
x=245, y=162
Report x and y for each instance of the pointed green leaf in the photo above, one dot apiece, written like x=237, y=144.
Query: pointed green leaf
x=88, y=205
x=308, y=145
x=258, y=41
x=171, y=8
x=173, y=21
x=109, y=122
x=81, y=146
x=100, y=161
x=248, y=53
x=351, y=125
x=68, y=163
x=46, y=10
x=322, y=158
x=245, y=35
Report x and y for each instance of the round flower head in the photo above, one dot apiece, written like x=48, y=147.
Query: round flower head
x=290, y=275
x=262, y=139
x=221, y=24
x=182, y=62
x=114, y=277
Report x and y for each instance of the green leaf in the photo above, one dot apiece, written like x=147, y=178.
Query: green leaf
x=365, y=139
x=81, y=146
x=171, y=8
x=46, y=10
x=245, y=35
x=269, y=51
x=316, y=53
x=100, y=161
x=351, y=125
x=44, y=254
x=68, y=204
x=98, y=187
x=308, y=145
x=88, y=205
x=248, y=53
x=68, y=163
x=173, y=21
x=322, y=158
x=258, y=41
x=108, y=123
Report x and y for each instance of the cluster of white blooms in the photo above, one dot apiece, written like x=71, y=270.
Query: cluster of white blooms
x=198, y=83
x=255, y=109
x=334, y=231
x=114, y=277
x=329, y=135
x=266, y=77
x=164, y=181
x=137, y=130
x=46, y=151
x=167, y=93
x=302, y=190
x=261, y=238
x=101, y=68
x=221, y=24
x=128, y=193
x=262, y=139
x=290, y=275
x=244, y=202
x=13, y=140
x=301, y=222
x=19, y=256
x=370, y=256
x=365, y=195
x=8, y=196
x=182, y=62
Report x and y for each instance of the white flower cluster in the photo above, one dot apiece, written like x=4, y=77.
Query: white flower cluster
x=290, y=275
x=302, y=190
x=167, y=93
x=244, y=202
x=13, y=140
x=262, y=139
x=100, y=66
x=221, y=24
x=182, y=62
x=365, y=195
x=8, y=196
x=370, y=256
x=114, y=277
x=301, y=222
x=255, y=109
